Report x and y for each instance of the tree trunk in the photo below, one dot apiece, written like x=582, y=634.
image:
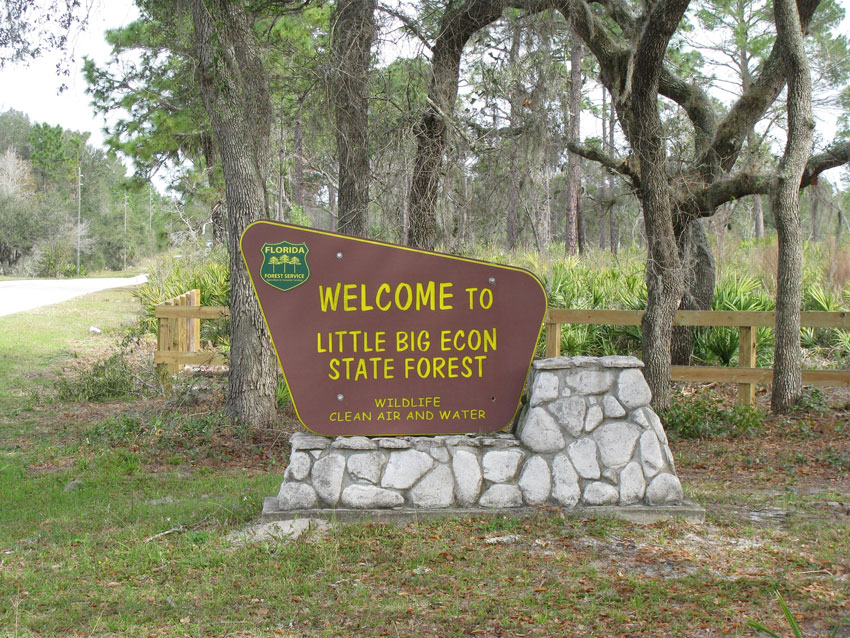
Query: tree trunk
x=642, y=124
x=699, y=293
x=573, y=161
x=613, y=228
x=298, y=163
x=456, y=27
x=787, y=357
x=235, y=91
x=512, y=222
x=758, y=216
x=352, y=34
x=814, y=208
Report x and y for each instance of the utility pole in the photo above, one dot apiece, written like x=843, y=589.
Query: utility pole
x=125, y=231
x=79, y=213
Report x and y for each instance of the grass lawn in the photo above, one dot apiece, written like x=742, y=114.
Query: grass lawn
x=114, y=521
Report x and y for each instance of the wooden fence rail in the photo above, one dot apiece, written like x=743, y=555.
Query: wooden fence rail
x=179, y=332
x=746, y=375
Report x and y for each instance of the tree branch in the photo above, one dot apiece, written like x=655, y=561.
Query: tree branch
x=836, y=155
x=750, y=107
x=696, y=104
x=660, y=25
x=623, y=167
x=703, y=204
x=408, y=23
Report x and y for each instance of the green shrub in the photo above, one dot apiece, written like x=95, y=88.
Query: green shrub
x=119, y=428
x=110, y=379
x=206, y=269
x=705, y=417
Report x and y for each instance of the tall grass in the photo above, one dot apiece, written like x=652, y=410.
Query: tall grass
x=595, y=280
x=746, y=281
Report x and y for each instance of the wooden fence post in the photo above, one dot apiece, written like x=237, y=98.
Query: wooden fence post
x=193, y=324
x=163, y=344
x=553, y=339
x=746, y=359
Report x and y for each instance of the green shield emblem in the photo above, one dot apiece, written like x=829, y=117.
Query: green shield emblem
x=285, y=265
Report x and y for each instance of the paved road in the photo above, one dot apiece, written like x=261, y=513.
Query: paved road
x=24, y=294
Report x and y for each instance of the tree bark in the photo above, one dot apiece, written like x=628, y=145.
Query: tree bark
x=700, y=278
x=514, y=179
x=758, y=216
x=235, y=91
x=457, y=26
x=573, y=161
x=814, y=209
x=352, y=34
x=298, y=163
x=787, y=357
x=613, y=227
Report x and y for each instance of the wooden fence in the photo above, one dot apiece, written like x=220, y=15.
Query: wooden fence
x=179, y=333
x=746, y=375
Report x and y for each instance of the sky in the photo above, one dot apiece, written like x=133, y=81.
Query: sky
x=34, y=89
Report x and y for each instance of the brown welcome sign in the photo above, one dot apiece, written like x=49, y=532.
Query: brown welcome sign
x=378, y=339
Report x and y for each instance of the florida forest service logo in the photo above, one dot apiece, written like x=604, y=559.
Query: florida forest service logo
x=285, y=265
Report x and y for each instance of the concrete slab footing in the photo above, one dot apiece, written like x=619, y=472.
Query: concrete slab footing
x=642, y=514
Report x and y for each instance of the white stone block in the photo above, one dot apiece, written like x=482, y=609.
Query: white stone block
x=569, y=413
x=632, y=484
x=370, y=496
x=501, y=495
x=545, y=388
x=297, y=496
x=668, y=456
x=326, y=477
x=439, y=454
x=582, y=453
x=616, y=441
x=639, y=418
x=613, y=409
x=650, y=454
x=600, y=493
x=299, y=467
x=590, y=381
x=535, y=481
x=305, y=441
x=540, y=432
x=435, y=490
x=619, y=361
x=655, y=424
x=632, y=390
x=665, y=489
x=468, y=479
x=566, y=488
x=354, y=443
x=387, y=443
x=405, y=468
x=366, y=466
x=500, y=466
x=593, y=418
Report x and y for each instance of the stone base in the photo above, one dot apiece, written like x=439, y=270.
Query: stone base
x=587, y=438
x=642, y=514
